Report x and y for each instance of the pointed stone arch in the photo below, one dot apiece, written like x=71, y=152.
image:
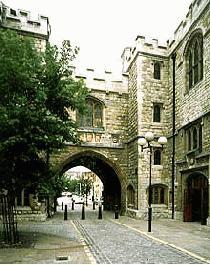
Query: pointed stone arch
x=107, y=170
x=196, y=198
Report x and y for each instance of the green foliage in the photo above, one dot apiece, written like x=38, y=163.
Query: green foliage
x=55, y=186
x=86, y=185
x=73, y=186
x=36, y=90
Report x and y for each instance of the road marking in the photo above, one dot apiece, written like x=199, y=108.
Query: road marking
x=164, y=242
x=86, y=248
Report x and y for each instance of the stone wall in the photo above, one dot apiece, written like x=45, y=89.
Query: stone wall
x=191, y=105
x=143, y=92
x=128, y=109
x=27, y=214
x=24, y=22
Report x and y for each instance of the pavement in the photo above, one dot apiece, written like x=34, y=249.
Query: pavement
x=58, y=242
x=189, y=237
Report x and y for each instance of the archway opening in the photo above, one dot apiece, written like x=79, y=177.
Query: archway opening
x=101, y=167
x=196, y=199
x=83, y=186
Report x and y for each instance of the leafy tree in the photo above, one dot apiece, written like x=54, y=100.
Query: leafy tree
x=73, y=185
x=37, y=89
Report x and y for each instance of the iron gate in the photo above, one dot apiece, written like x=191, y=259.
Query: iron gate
x=9, y=220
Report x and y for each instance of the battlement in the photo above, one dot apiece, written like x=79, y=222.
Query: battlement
x=145, y=46
x=24, y=21
x=152, y=47
x=101, y=80
x=195, y=9
x=149, y=45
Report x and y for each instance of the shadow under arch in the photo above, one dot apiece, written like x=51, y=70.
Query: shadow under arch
x=196, y=198
x=105, y=169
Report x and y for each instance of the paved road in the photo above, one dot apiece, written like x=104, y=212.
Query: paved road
x=110, y=242
x=91, y=241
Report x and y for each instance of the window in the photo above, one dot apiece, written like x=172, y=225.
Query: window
x=157, y=70
x=200, y=143
x=157, y=157
x=194, y=137
x=98, y=115
x=157, y=113
x=189, y=140
x=130, y=196
x=159, y=192
x=93, y=116
x=194, y=59
x=195, y=140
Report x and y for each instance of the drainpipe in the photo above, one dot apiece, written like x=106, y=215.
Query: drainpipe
x=173, y=134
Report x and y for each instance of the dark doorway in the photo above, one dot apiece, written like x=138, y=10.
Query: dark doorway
x=196, y=199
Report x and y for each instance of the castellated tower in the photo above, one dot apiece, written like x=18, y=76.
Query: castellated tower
x=147, y=67
x=169, y=94
x=26, y=24
x=164, y=90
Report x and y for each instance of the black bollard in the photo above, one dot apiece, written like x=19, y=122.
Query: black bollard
x=72, y=205
x=65, y=213
x=62, y=206
x=100, y=211
x=94, y=205
x=116, y=212
x=83, y=211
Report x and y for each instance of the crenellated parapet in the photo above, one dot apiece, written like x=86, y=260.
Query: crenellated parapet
x=24, y=21
x=195, y=10
x=101, y=81
x=143, y=46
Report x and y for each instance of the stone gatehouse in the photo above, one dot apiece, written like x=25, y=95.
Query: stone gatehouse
x=164, y=90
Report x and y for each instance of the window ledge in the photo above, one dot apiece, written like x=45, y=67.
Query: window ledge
x=187, y=92
x=130, y=205
x=195, y=151
x=191, y=152
x=203, y=155
x=159, y=205
x=91, y=129
x=157, y=125
x=157, y=167
x=160, y=123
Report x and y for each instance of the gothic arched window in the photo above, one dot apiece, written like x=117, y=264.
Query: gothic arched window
x=93, y=117
x=130, y=196
x=195, y=138
x=159, y=194
x=200, y=139
x=194, y=58
x=189, y=140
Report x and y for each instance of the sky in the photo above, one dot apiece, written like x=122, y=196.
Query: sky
x=103, y=28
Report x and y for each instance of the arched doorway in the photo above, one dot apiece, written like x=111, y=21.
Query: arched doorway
x=105, y=170
x=196, y=199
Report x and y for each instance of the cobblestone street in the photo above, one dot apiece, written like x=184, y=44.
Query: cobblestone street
x=94, y=241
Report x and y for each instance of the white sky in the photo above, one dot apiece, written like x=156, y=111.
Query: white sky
x=103, y=28
x=79, y=169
